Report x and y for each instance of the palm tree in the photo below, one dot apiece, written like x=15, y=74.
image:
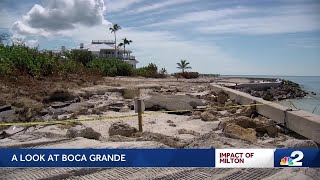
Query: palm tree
x=114, y=30
x=183, y=64
x=125, y=41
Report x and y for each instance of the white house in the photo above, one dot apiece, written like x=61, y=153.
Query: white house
x=105, y=49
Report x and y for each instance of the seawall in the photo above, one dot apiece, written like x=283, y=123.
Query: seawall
x=299, y=121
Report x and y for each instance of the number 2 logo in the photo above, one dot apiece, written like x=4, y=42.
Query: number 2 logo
x=295, y=161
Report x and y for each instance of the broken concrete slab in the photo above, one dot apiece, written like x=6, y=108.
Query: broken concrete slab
x=233, y=130
x=122, y=129
x=172, y=102
x=207, y=116
x=81, y=131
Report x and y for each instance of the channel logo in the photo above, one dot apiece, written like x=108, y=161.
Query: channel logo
x=293, y=160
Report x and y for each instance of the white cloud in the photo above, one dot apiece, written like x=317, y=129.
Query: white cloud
x=157, y=6
x=60, y=15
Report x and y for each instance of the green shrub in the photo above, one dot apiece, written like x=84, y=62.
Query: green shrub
x=67, y=66
x=187, y=75
x=111, y=67
x=150, y=71
x=6, y=67
x=82, y=56
x=28, y=60
x=36, y=63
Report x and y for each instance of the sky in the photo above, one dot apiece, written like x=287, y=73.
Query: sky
x=234, y=37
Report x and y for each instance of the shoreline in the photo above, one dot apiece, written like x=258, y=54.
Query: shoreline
x=210, y=127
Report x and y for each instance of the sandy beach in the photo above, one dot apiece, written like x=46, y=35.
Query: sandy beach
x=238, y=127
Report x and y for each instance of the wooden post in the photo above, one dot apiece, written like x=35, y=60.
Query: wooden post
x=139, y=108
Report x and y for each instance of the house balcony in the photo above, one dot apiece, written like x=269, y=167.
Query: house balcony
x=103, y=42
x=126, y=57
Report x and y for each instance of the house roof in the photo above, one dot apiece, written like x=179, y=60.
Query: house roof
x=98, y=47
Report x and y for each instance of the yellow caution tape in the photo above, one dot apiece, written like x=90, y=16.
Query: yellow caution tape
x=100, y=118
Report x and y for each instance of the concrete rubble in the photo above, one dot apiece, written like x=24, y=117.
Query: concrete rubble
x=216, y=126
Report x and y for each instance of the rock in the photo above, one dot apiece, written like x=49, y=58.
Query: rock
x=184, y=131
x=245, y=122
x=57, y=105
x=222, y=97
x=14, y=129
x=267, y=96
x=122, y=129
x=172, y=125
x=262, y=125
x=3, y=135
x=130, y=93
x=169, y=121
x=81, y=131
x=43, y=112
x=24, y=102
x=56, y=111
x=196, y=113
x=172, y=102
x=212, y=98
x=5, y=108
x=248, y=111
x=8, y=116
x=271, y=129
x=117, y=104
x=61, y=96
x=247, y=134
x=213, y=111
x=207, y=116
x=77, y=107
x=232, y=111
x=115, y=108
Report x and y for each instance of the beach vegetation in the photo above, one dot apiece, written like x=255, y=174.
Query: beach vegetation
x=111, y=67
x=150, y=71
x=187, y=75
x=124, y=43
x=81, y=56
x=114, y=30
x=183, y=65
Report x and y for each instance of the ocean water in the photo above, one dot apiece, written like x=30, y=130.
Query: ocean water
x=310, y=84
